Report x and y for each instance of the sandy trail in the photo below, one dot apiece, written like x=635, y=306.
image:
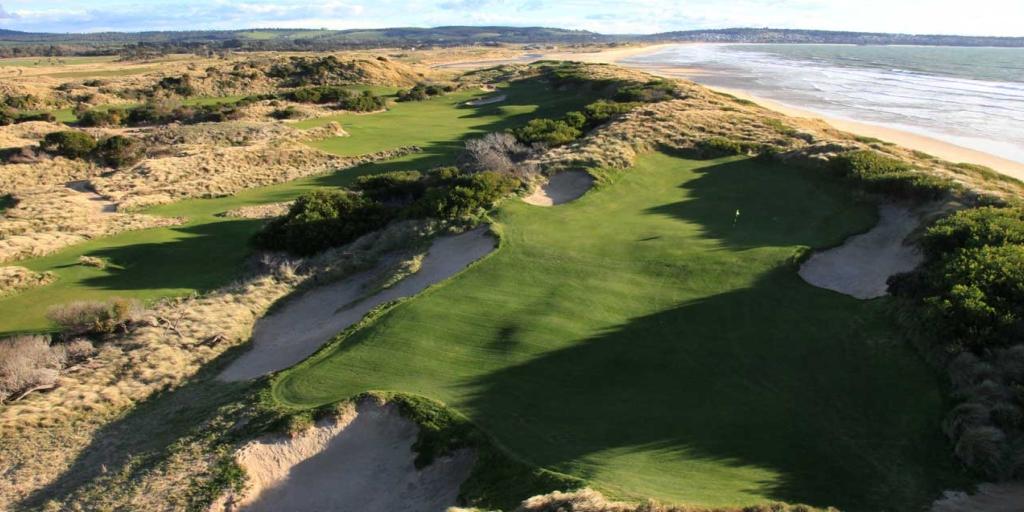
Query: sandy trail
x=361, y=462
x=1005, y=497
x=561, y=188
x=487, y=101
x=862, y=265
x=303, y=325
x=90, y=198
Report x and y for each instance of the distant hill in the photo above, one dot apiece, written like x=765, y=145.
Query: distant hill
x=14, y=43
x=768, y=35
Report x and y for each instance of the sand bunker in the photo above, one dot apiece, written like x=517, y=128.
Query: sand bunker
x=360, y=462
x=90, y=198
x=561, y=188
x=487, y=101
x=303, y=325
x=1006, y=497
x=862, y=265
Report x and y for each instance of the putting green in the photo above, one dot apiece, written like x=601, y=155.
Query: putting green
x=210, y=251
x=654, y=341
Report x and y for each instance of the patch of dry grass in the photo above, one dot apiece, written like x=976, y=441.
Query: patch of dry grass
x=260, y=211
x=15, y=279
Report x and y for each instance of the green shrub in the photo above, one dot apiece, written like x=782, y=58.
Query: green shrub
x=102, y=117
x=463, y=196
x=119, y=151
x=603, y=110
x=286, y=113
x=547, y=131
x=7, y=201
x=69, y=144
x=365, y=102
x=974, y=228
x=420, y=92
x=323, y=219
x=650, y=92
x=397, y=186
x=715, y=147
x=318, y=94
x=882, y=174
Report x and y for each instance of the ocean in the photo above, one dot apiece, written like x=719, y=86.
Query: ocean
x=972, y=97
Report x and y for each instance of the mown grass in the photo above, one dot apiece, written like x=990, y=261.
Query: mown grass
x=652, y=341
x=210, y=251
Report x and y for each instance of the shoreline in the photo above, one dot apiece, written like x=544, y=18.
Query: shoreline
x=908, y=139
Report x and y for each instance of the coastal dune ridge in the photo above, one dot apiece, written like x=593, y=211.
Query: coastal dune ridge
x=951, y=107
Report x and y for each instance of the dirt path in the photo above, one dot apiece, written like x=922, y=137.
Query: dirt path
x=861, y=266
x=561, y=188
x=361, y=462
x=90, y=198
x=294, y=332
x=1006, y=497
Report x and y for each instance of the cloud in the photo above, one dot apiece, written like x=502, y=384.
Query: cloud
x=982, y=17
x=4, y=15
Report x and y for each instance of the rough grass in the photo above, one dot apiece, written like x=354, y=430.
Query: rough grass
x=646, y=340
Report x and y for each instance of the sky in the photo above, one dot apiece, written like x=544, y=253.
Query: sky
x=973, y=17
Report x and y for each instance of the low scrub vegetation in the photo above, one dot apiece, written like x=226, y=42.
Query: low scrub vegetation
x=116, y=151
x=499, y=152
x=886, y=175
x=96, y=318
x=323, y=219
x=969, y=311
x=422, y=92
x=342, y=97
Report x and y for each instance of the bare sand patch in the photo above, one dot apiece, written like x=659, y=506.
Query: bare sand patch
x=487, y=101
x=561, y=188
x=862, y=265
x=302, y=326
x=361, y=461
x=1004, y=497
x=90, y=199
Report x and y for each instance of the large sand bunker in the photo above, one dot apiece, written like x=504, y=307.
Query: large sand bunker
x=303, y=325
x=862, y=265
x=1005, y=497
x=360, y=462
x=561, y=188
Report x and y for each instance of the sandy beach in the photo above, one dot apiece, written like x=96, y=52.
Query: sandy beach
x=941, y=149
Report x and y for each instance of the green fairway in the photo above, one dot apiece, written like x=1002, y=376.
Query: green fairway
x=210, y=251
x=55, y=61
x=653, y=341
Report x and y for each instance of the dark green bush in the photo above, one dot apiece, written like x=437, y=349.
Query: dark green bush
x=463, y=195
x=392, y=187
x=318, y=94
x=974, y=228
x=119, y=151
x=547, y=131
x=603, y=110
x=882, y=174
x=323, y=219
x=420, y=92
x=7, y=201
x=365, y=102
x=715, y=147
x=650, y=92
x=69, y=144
x=102, y=117
x=286, y=113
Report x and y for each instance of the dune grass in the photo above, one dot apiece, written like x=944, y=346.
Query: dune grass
x=210, y=251
x=649, y=340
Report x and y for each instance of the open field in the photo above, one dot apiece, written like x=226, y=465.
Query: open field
x=209, y=250
x=655, y=339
